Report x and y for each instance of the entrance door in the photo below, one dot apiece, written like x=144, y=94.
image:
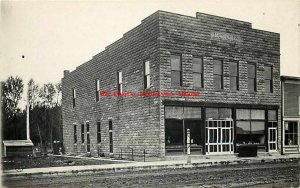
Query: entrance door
x=272, y=142
x=219, y=136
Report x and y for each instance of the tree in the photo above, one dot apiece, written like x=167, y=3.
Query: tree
x=58, y=88
x=33, y=93
x=12, y=90
x=47, y=93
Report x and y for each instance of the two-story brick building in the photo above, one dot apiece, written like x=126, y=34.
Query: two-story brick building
x=235, y=68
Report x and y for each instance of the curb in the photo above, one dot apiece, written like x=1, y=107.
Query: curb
x=139, y=166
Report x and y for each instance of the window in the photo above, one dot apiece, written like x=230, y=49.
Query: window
x=120, y=82
x=88, y=140
x=198, y=72
x=299, y=105
x=82, y=133
x=176, y=70
x=250, y=126
x=98, y=132
x=146, y=74
x=251, y=77
x=268, y=79
x=218, y=113
x=291, y=133
x=218, y=74
x=75, y=134
x=110, y=127
x=97, y=90
x=234, y=76
x=74, y=96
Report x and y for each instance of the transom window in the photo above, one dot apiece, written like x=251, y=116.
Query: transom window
x=176, y=70
x=218, y=74
x=198, y=72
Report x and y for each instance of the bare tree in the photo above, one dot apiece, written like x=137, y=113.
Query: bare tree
x=58, y=88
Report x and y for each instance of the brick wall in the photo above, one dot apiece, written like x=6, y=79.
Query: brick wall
x=189, y=36
x=138, y=122
x=135, y=119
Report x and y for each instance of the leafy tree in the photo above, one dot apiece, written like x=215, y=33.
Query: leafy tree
x=12, y=90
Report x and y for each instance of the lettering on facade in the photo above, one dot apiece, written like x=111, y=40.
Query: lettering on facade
x=218, y=35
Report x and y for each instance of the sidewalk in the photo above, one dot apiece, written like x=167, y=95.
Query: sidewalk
x=137, y=166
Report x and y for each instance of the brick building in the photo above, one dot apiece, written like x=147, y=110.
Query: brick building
x=290, y=114
x=235, y=68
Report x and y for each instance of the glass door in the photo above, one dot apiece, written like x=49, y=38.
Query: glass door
x=219, y=136
x=272, y=142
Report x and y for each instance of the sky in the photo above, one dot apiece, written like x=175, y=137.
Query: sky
x=60, y=35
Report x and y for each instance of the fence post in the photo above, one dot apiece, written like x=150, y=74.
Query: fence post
x=132, y=154
x=144, y=155
x=121, y=153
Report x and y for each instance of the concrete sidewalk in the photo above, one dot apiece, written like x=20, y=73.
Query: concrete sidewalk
x=137, y=166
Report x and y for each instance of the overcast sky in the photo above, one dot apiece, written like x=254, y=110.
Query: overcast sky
x=54, y=36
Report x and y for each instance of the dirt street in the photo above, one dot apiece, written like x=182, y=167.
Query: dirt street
x=244, y=175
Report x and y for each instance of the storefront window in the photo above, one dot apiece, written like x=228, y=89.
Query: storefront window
x=250, y=126
x=291, y=133
x=177, y=120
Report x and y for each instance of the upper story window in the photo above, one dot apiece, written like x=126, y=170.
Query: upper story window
x=75, y=133
x=146, y=74
x=234, y=76
x=251, y=77
x=176, y=70
x=82, y=133
x=74, y=97
x=97, y=90
x=197, y=72
x=268, y=79
x=120, y=82
x=98, y=132
x=218, y=74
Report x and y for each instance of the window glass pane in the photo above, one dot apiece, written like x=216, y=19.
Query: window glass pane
x=175, y=112
x=192, y=112
x=120, y=77
x=212, y=113
x=257, y=127
x=268, y=86
x=268, y=72
x=257, y=114
x=233, y=69
x=217, y=82
x=218, y=67
x=175, y=62
x=243, y=127
x=147, y=67
x=272, y=115
x=175, y=78
x=197, y=65
x=197, y=79
x=251, y=70
x=242, y=114
x=251, y=85
x=148, y=81
x=174, y=132
x=233, y=83
x=225, y=113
